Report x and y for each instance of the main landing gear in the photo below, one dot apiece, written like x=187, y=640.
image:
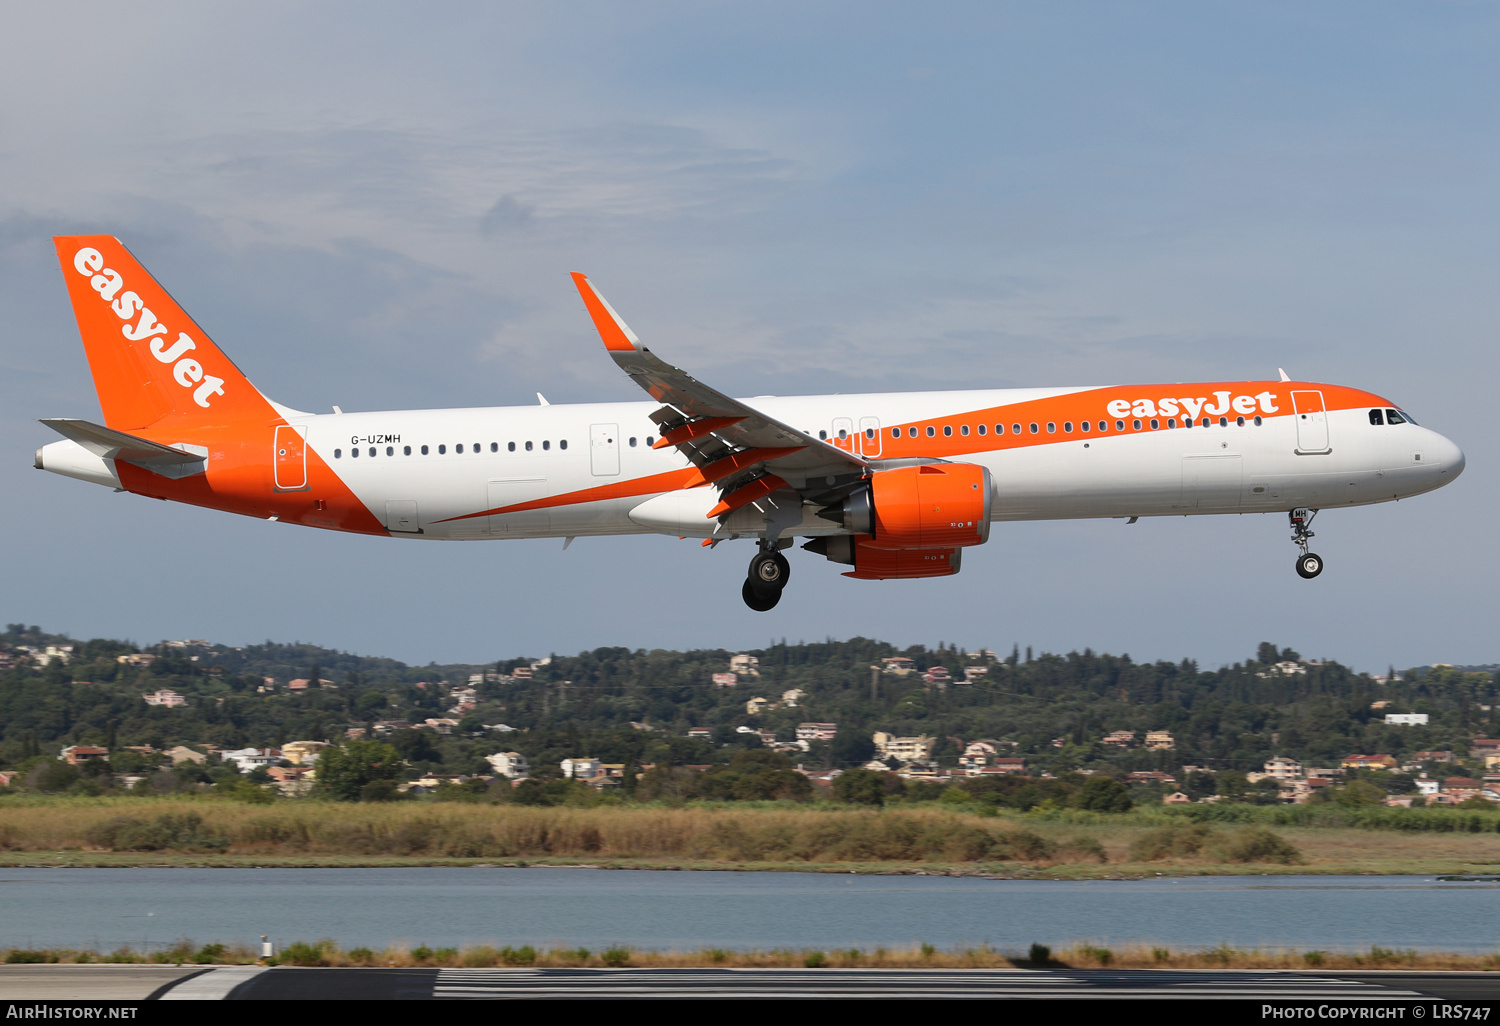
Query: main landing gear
x=769, y=572
x=1309, y=564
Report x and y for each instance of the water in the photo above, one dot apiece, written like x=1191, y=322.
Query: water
x=150, y=908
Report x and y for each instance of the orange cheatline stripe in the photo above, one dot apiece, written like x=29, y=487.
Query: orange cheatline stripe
x=1072, y=408
x=615, y=339
x=718, y=470
x=695, y=429
x=671, y=481
x=757, y=489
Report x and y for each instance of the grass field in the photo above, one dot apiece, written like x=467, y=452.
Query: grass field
x=926, y=956
x=913, y=839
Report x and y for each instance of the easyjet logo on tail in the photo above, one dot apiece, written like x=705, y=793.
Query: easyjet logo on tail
x=128, y=306
x=1244, y=405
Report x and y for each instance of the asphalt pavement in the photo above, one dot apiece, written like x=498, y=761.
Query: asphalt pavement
x=249, y=983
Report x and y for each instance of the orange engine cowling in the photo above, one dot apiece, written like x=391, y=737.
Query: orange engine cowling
x=934, y=506
x=874, y=564
x=910, y=522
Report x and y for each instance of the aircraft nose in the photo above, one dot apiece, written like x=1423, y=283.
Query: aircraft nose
x=1450, y=457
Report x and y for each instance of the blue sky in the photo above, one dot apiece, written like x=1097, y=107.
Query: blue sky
x=378, y=206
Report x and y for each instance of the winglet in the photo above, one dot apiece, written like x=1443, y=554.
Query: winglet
x=617, y=336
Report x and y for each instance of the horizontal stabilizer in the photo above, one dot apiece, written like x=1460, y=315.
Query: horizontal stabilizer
x=110, y=444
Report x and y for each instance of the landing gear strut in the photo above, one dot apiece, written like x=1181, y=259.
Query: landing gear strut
x=1309, y=564
x=769, y=572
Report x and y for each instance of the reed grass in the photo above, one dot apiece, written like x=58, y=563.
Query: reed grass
x=929, y=838
x=711, y=833
x=1078, y=955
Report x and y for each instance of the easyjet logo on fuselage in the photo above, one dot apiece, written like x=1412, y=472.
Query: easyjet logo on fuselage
x=1223, y=403
x=128, y=306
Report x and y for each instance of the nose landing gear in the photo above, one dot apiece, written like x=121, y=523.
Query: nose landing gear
x=769, y=572
x=1309, y=564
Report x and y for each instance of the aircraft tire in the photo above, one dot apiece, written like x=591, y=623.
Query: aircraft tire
x=769, y=571
x=1309, y=566
x=760, y=601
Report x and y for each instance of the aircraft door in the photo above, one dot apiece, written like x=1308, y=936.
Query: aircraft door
x=843, y=433
x=401, y=516
x=604, y=449
x=869, y=436
x=289, y=459
x=1312, y=423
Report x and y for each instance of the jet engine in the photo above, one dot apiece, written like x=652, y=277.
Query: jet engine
x=910, y=522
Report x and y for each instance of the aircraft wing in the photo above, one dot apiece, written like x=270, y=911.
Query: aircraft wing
x=742, y=451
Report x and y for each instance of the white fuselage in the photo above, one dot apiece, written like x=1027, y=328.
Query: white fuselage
x=431, y=466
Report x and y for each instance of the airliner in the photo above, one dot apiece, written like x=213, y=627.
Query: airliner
x=892, y=485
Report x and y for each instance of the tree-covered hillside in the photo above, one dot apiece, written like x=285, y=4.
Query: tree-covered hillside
x=637, y=706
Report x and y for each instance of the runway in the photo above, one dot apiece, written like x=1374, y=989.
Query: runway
x=250, y=983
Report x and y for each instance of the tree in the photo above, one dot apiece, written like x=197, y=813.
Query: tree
x=1101, y=794
x=345, y=772
x=860, y=787
x=851, y=747
x=1359, y=793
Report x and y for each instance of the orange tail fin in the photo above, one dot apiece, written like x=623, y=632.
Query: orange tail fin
x=152, y=364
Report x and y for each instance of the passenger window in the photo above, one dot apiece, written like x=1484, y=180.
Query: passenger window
x=650, y=440
x=632, y=441
x=372, y=450
x=981, y=429
x=964, y=430
x=1377, y=418
x=1155, y=423
x=1051, y=428
x=1083, y=424
x=948, y=430
x=870, y=432
x=546, y=444
x=509, y=447
x=406, y=450
x=338, y=454
x=895, y=432
x=1239, y=422
x=563, y=444
x=1015, y=429
x=1067, y=427
x=1033, y=428
x=1120, y=425
x=843, y=434
x=424, y=450
x=912, y=432
x=354, y=454
x=822, y=435
x=1257, y=422
x=931, y=431
x=1223, y=422
x=528, y=446
x=1137, y=424
x=1392, y=417
x=459, y=448
x=1171, y=422
x=390, y=450
x=442, y=450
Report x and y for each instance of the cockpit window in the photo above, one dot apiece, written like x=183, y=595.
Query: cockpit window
x=1376, y=417
x=1393, y=417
